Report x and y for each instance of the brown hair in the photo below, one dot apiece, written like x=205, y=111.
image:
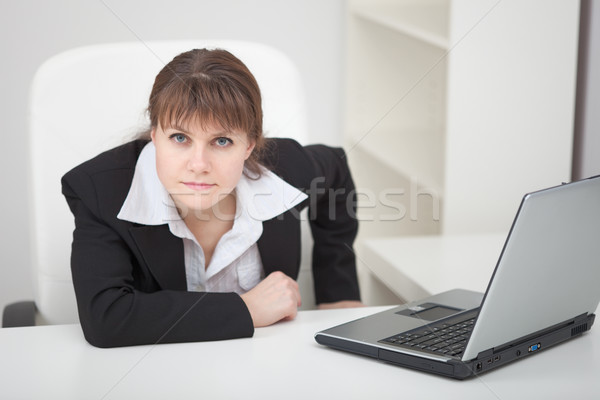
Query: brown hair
x=210, y=87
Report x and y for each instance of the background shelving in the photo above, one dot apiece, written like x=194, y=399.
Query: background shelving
x=461, y=105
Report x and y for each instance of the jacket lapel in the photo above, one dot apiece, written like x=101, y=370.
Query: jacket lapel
x=162, y=252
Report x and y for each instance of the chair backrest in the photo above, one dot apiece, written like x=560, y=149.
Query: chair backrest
x=89, y=99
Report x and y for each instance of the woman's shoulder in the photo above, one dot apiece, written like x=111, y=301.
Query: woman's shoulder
x=296, y=163
x=288, y=159
x=103, y=182
x=281, y=152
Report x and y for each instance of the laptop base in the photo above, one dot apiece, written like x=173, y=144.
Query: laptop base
x=486, y=361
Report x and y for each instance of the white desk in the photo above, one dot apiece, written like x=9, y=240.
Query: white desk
x=282, y=361
x=417, y=267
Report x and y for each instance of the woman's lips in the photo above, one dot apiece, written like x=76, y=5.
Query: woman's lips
x=198, y=186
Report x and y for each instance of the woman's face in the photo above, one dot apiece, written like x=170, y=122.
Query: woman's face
x=199, y=166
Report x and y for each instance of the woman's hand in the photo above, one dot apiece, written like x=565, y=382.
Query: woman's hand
x=276, y=297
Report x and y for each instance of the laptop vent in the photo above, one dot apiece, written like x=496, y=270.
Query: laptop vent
x=579, y=329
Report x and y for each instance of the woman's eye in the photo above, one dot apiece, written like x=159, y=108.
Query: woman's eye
x=178, y=137
x=223, y=141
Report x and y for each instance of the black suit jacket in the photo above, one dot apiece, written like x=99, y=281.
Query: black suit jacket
x=130, y=280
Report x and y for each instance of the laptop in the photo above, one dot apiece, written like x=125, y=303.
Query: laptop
x=544, y=291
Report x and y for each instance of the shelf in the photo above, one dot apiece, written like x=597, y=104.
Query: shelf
x=408, y=159
x=425, y=21
x=419, y=266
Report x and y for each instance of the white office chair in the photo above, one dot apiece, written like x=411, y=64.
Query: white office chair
x=93, y=98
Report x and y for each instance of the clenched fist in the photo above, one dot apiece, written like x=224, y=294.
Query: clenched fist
x=276, y=297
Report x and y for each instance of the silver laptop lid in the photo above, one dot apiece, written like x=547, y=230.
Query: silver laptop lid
x=549, y=270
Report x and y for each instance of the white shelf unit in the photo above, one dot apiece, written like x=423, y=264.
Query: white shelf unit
x=457, y=108
x=425, y=20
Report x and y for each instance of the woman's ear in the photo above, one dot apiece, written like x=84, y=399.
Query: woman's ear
x=152, y=133
x=251, y=144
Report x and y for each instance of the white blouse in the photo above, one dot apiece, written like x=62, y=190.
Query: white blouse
x=235, y=265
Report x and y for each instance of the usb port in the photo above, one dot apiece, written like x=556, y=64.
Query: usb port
x=535, y=347
x=497, y=358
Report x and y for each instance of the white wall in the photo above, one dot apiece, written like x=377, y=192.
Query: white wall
x=309, y=31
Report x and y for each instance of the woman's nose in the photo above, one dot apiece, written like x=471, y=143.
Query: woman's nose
x=199, y=160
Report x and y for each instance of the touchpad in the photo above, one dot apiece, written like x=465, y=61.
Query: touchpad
x=429, y=311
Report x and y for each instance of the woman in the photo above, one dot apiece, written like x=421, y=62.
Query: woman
x=193, y=233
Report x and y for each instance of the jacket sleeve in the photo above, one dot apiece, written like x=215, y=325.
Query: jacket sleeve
x=113, y=309
x=333, y=222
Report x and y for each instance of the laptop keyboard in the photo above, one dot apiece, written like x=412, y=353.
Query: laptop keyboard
x=448, y=337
